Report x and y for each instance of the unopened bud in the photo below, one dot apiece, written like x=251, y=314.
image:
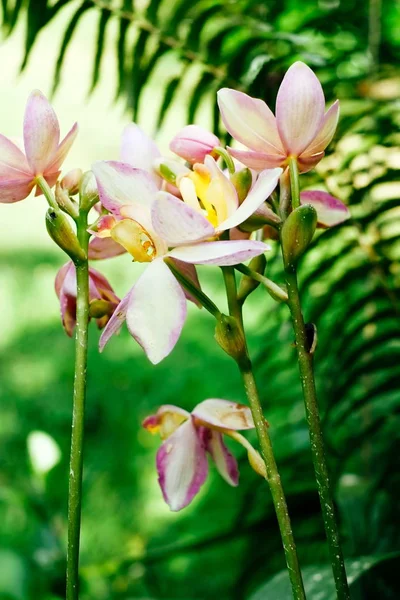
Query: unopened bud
x=193, y=143
x=242, y=181
x=248, y=284
x=297, y=233
x=67, y=204
x=88, y=192
x=170, y=170
x=61, y=232
x=229, y=336
x=71, y=181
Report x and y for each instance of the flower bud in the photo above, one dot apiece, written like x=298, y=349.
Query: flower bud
x=242, y=181
x=170, y=170
x=67, y=204
x=61, y=232
x=88, y=192
x=70, y=182
x=229, y=336
x=193, y=143
x=248, y=284
x=297, y=233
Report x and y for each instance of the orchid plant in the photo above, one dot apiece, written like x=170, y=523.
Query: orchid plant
x=215, y=209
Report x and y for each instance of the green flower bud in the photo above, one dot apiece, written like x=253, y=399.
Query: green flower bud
x=88, y=192
x=242, y=181
x=248, y=284
x=61, y=232
x=229, y=336
x=297, y=233
x=67, y=204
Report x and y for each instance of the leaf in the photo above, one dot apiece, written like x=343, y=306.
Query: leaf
x=169, y=95
x=103, y=21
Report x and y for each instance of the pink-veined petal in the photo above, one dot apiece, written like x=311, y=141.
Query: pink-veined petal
x=223, y=253
x=250, y=121
x=59, y=280
x=224, y=461
x=224, y=414
x=166, y=420
x=193, y=143
x=306, y=163
x=182, y=466
x=116, y=321
x=189, y=271
x=257, y=160
x=326, y=132
x=300, y=107
x=41, y=132
x=261, y=190
x=330, y=210
x=14, y=190
x=140, y=151
x=121, y=184
x=100, y=248
x=13, y=163
x=62, y=150
x=156, y=311
x=178, y=223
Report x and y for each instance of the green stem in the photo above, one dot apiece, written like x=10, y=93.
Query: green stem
x=48, y=194
x=276, y=292
x=306, y=368
x=294, y=182
x=76, y=459
x=264, y=439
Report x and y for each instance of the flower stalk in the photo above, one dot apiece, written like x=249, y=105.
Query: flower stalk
x=306, y=368
x=273, y=476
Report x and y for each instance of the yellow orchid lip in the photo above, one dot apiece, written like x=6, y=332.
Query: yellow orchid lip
x=135, y=239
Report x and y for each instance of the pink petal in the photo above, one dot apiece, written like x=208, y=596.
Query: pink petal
x=13, y=164
x=257, y=160
x=62, y=150
x=224, y=253
x=261, y=190
x=300, y=107
x=182, y=466
x=193, y=143
x=166, y=420
x=60, y=277
x=224, y=414
x=177, y=223
x=104, y=248
x=116, y=321
x=156, y=311
x=326, y=132
x=13, y=190
x=189, y=271
x=249, y=121
x=330, y=210
x=224, y=461
x=41, y=132
x=120, y=184
x=139, y=150
x=306, y=163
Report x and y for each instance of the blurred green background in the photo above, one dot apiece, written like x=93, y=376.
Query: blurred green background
x=161, y=63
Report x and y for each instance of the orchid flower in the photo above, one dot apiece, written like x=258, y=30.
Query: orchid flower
x=193, y=143
x=154, y=225
x=301, y=128
x=44, y=153
x=330, y=210
x=102, y=299
x=182, y=459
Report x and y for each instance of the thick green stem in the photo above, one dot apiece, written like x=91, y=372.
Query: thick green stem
x=273, y=477
x=306, y=367
x=78, y=417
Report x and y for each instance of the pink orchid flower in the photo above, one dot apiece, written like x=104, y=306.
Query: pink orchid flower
x=330, y=210
x=154, y=225
x=99, y=290
x=301, y=128
x=182, y=464
x=193, y=143
x=44, y=153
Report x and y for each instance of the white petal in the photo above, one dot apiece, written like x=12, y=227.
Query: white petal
x=224, y=253
x=224, y=414
x=139, y=150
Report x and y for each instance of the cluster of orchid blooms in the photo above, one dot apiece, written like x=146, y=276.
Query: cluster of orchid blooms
x=174, y=214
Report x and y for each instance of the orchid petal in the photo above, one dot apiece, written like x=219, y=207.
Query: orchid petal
x=140, y=151
x=14, y=190
x=193, y=143
x=177, y=222
x=223, y=253
x=300, y=107
x=224, y=414
x=189, y=271
x=326, y=133
x=182, y=466
x=120, y=184
x=166, y=420
x=249, y=121
x=41, y=132
x=100, y=248
x=257, y=160
x=224, y=461
x=306, y=163
x=116, y=321
x=221, y=187
x=62, y=150
x=330, y=210
x=156, y=311
x=261, y=190
x=61, y=274
x=13, y=164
